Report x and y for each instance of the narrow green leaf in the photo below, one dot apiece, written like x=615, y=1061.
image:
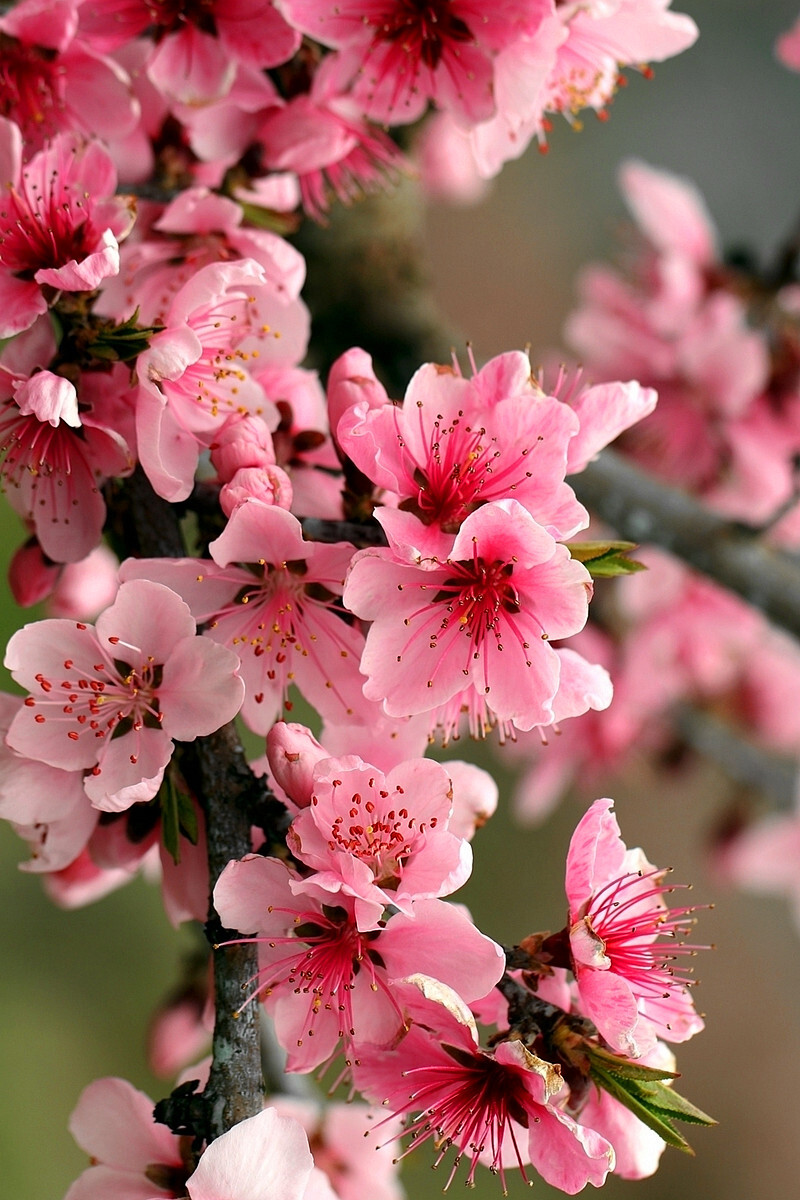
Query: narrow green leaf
x=605, y=559
x=653, y=1119
x=187, y=816
x=627, y=1068
x=170, y=821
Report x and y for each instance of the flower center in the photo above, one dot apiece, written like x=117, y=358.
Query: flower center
x=422, y=28
x=31, y=89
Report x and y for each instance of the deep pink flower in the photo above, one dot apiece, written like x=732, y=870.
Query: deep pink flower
x=501, y=1108
x=326, y=984
x=60, y=223
x=56, y=455
x=477, y=622
x=197, y=46
x=401, y=54
x=455, y=444
x=52, y=81
x=627, y=979
x=273, y=599
x=111, y=698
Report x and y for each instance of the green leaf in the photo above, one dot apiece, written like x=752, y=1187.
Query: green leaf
x=627, y=1068
x=655, y=1103
x=170, y=822
x=178, y=815
x=606, y=559
x=123, y=342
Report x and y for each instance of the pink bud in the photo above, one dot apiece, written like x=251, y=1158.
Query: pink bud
x=353, y=381
x=269, y=484
x=241, y=443
x=31, y=576
x=293, y=752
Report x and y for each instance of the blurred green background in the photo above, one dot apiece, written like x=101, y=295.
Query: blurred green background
x=76, y=989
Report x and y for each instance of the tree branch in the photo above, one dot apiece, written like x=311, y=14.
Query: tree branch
x=643, y=510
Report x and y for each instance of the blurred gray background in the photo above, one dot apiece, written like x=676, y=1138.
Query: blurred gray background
x=76, y=988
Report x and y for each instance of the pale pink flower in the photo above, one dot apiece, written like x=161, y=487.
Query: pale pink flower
x=111, y=698
x=82, y=882
x=604, y=35
x=382, y=839
x=195, y=229
x=476, y=623
x=475, y=796
x=53, y=81
x=60, y=223
x=179, y=1033
x=501, y=1108
x=338, y=1135
x=571, y=61
x=273, y=599
x=326, y=984
x=446, y=162
x=627, y=981
x=85, y=588
x=265, y=1157
x=196, y=374
x=47, y=807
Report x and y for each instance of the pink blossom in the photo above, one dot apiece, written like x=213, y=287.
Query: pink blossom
x=473, y=625
x=500, y=1107
x=136, y=675
x=382, y=839
x=456, y=444
x=279, y=612
x=85, y=588
x=603, y=36
x=180, y=1031
x=399, y=56
x=787, y=47
x=196, y=52
x=763, y=857
x=338, y=1135
x=60, y=224
x=47, y=807
x=265, y=1157
x=56, y=455
x=322, y=137
x=53, y=81
x=446, y=162
x=626, y=979
x=195, y=229
x=196, y=374
x=325, y=983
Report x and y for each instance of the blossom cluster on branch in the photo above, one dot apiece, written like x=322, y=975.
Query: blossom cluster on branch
x=156, y=407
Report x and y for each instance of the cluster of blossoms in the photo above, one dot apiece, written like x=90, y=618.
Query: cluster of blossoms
x=293, y=97
x=405, y=566
x=721, y=344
